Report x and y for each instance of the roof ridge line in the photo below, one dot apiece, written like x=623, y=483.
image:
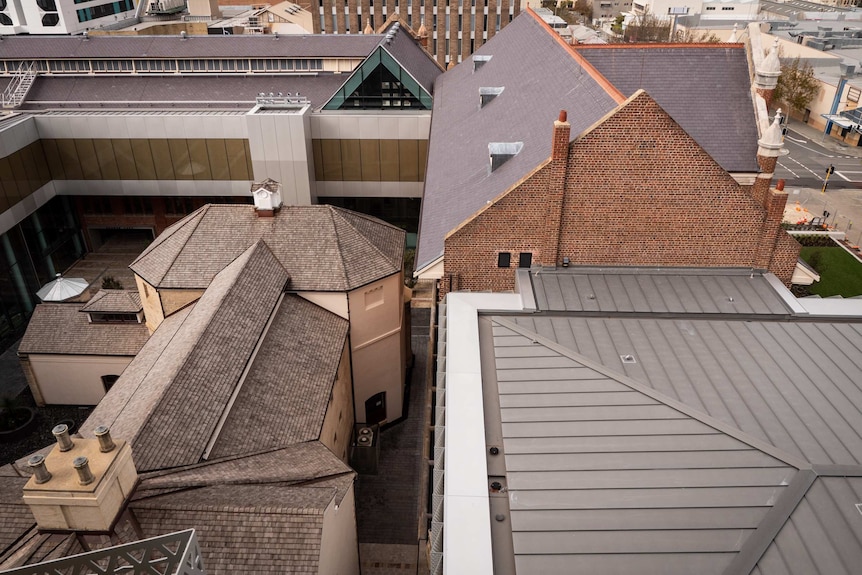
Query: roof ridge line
x=204, y=209
x=675, y=404
x=658, y=45
x=340, y=246
x=337, y=210
x=597, y=76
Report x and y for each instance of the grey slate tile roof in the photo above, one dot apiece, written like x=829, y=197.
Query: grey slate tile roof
x=114, y=301
x=61, y=328
x=606, y=476
x=153, y=91
x=540, y=77
x=285, y=394
x=414, y=59
x=173, y=47
x=705, y=88
x=670, y=291
x=323, y=247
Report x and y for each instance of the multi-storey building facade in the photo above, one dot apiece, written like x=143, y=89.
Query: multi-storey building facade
x=62, y=16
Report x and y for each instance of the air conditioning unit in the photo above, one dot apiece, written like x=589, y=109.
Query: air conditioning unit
x=365, y=451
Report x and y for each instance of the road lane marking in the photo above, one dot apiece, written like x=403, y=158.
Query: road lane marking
x=792, y=173
x=842, y=176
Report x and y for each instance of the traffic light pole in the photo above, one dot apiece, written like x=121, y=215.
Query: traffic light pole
x=829, y=172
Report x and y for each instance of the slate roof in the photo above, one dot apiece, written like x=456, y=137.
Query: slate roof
x=154, y=91
x=540, y=75
x=604, y=475
x=646, y=290
x=704, y=87
x=323, y=247
x=173, y=47
x=421, y=65
x=62, y=328
x=114, y=301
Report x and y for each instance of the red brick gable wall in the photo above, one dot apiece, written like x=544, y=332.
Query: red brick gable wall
x=638, y=191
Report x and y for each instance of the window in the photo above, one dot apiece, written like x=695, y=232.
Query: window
x=525, y=259
x=504, y=259
x=710, y=7
x=108, y=381
x=727, y=8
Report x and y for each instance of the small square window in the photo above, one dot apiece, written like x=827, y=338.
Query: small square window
x=504, y=259
x=525, y=260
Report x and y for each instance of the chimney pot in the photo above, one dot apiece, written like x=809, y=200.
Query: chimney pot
x=37, y=464
x=82, y=466
x=61, y=432
x=780, y=185
x=564, y=116
x=103, y=433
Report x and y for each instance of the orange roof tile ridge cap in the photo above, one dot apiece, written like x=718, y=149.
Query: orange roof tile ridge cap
x=609, y=88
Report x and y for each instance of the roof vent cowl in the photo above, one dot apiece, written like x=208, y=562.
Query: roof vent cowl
x=267, y=197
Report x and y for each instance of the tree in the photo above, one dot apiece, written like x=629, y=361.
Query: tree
x=647, y=28
x=797, y=86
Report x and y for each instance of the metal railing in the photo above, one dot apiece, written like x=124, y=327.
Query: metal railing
x=172, y=554
x=19, y=85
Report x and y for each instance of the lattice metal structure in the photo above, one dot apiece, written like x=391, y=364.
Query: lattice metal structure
x=439, y=449
x=172, y=554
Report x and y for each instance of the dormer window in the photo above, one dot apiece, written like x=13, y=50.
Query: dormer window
x=502, y=152
x=114, y=317
x=488, y=94
x=479, y=61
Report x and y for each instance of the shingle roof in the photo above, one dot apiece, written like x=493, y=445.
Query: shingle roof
x=172, y=47
x=540, y=76
x=156, y=91
x=323, y=247
x=185, y=390
x=705, y=88
x=15, y=516
x=114, y=301
x=62, y=328
x=285, y=394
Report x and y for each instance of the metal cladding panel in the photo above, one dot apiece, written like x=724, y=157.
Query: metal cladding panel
x=604, y=475
x=794, y=385
x=634, y=290
x=822, y=535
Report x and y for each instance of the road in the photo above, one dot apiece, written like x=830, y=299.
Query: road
x=805, y=166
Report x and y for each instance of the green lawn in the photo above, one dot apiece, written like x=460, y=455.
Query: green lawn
x=840, y=273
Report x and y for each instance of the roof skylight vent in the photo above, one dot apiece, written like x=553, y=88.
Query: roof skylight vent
x=502, y=152
x=487, y=94
x=480, y=60
x=628, y=358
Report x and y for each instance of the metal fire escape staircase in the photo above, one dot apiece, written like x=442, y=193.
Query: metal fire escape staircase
x=22, y=80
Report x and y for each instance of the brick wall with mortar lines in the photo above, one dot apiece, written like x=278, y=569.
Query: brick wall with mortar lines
x=639, y=191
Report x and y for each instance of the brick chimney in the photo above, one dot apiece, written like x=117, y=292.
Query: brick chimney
x=423, y=34
x=267, y=197
x=555, y=190
x=82, y=484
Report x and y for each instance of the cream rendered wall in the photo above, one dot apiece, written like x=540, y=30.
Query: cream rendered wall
x=376, y=321
x=152, y=304
x=339, y=548
x=337, y=428
x=76, y=379
x=280, y=149
x=335, y=302
x=174, y=300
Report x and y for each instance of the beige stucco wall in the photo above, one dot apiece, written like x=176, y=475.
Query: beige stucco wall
x=151, y=302
x=73, y=379
x=339, y=549
x=333, y=302
x=174, y=300
x=338, y=422
x=376, y=312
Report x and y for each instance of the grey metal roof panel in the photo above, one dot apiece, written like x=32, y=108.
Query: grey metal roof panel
x=540, y=76
x=725, y=126
x=793, y=385
x=640, y=290
x=59, y=91
x=354, y=249
x=173, y=47
x=822, y=535
x=617, y=479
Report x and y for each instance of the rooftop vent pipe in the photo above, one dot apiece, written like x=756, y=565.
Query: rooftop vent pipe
x=61, y=432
